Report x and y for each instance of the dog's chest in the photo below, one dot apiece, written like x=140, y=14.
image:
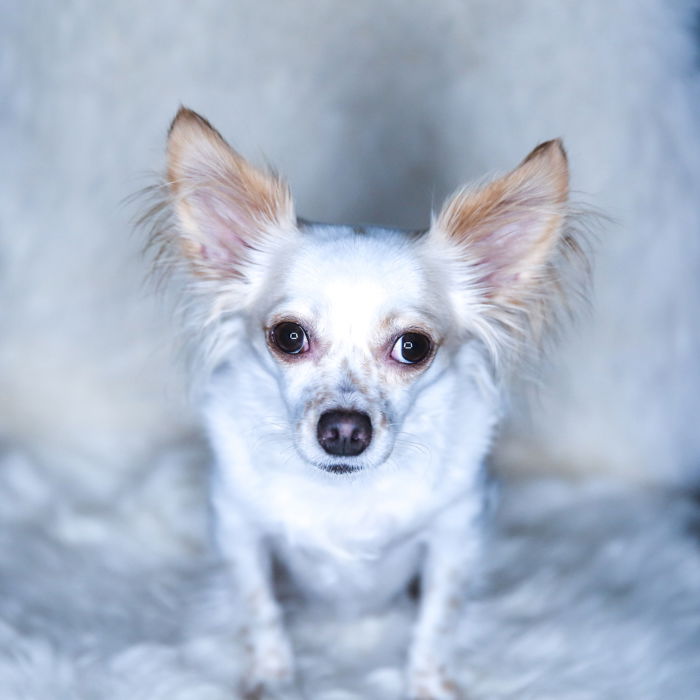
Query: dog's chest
x=346, y=544
x=355, y=519
x=361, y=580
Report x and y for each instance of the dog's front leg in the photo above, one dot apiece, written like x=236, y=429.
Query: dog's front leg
x=270, y=663
x=453, y=549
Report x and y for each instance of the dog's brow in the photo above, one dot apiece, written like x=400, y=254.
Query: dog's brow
x=287, y=306
x=276, y=302
x=411, y=317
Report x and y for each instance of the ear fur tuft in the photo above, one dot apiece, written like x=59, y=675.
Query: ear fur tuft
x=212, y=225
x=225, y=209
x=507, y=241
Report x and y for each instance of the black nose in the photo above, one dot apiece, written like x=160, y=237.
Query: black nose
x=345, y=433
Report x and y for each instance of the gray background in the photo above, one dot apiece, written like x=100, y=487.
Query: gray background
x=374, y=112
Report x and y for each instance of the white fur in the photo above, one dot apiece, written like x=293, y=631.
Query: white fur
x=351, y=541
x=353, y=523
x=618, y=80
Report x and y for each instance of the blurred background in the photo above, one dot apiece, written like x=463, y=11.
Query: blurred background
x=374, y=112
x=373, y=115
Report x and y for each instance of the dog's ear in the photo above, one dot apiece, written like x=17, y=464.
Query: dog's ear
x=227, y=212
x=504, y=236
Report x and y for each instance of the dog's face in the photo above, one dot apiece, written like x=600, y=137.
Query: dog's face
x=355, y=323
x=352, y=326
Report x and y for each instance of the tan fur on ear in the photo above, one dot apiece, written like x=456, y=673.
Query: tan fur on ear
x=509, y=226
x=510, y=236
x=224, y=206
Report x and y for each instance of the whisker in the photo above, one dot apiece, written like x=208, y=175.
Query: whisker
x=409, y=441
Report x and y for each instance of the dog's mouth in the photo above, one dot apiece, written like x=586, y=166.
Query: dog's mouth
x=341, y=468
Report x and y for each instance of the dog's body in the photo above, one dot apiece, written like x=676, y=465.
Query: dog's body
x=354, y=383
x=351, y=540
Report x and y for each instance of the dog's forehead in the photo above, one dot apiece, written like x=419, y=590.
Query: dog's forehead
x=367, y=269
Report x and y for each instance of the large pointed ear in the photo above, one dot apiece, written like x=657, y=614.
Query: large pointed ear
x=226, y=211
x=504, y=239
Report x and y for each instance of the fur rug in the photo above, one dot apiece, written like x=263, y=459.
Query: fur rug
x=108, y=591
x=591, y=591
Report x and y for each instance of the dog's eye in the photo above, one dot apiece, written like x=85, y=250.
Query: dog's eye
x=290, y=338
x=411, y=348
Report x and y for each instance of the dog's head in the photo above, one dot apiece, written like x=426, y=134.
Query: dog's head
x=356, y=323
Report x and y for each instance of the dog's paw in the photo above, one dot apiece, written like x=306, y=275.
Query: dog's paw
x=270, y=671
x=431, y=681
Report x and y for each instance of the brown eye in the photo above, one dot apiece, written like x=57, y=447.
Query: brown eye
x=411, y=348
x=290, y=338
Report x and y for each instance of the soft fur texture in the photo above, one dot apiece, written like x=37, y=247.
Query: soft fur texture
x=589, y=592
x=343, y=453
x=598, y=595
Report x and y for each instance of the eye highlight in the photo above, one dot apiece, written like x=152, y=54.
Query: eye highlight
x=290, y=338
x=411, y=348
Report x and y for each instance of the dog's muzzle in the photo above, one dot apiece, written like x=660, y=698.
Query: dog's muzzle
x=344, y=433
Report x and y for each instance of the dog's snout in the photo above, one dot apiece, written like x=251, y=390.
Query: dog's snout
x=344, y=433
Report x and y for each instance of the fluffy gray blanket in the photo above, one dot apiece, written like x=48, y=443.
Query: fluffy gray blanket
x=590, y=592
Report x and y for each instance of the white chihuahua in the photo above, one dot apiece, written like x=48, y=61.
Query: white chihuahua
x=353, y=383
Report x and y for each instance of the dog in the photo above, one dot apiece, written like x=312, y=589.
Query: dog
x=352, y=383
